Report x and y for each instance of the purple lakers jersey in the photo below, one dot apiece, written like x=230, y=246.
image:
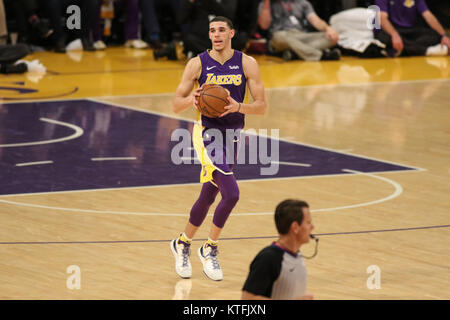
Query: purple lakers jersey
x=231, y=76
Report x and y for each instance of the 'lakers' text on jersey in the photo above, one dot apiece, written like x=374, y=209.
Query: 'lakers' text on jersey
x=229, y=75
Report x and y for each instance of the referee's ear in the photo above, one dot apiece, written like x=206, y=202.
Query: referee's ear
x=295, y=227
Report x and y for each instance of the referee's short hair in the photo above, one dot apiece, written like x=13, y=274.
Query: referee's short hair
x=288, y=211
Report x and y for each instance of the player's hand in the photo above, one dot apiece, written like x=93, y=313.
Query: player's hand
x=445, y=41
x=196, y=95
x=232, y=107
x=397, y=42
x=306, y=297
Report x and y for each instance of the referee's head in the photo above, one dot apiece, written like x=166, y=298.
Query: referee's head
x=293, y=216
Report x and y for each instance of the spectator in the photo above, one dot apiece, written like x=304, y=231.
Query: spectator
x=286, y=22
x=196, y=14
x=278, y=271
x=131, y=27
x=151, y=22
x=245, y=22
x=401, y=32
x=57, y=8
x=27, y=20
x=355, y=38
x=3, y=27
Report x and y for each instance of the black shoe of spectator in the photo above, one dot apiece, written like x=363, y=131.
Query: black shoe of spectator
x=169, y=51
x=156, y=45
x=331, y=55
x=287, y=55
x=88, y=45
x=172, y=51
x=60, y=46
x=14, y=68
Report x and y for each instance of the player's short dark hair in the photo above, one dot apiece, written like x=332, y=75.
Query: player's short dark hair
x=287, y=212
x=223, y=19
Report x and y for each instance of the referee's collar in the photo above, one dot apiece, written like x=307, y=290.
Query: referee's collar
x=295, y=255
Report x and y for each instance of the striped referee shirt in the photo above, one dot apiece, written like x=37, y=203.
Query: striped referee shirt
x=277, y=274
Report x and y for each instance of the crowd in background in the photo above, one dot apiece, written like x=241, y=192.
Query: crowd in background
x=161, y=24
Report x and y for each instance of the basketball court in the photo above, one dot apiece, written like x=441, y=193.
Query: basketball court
x=88, y=184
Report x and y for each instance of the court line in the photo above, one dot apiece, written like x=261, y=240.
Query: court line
x=295, y=164
x=224, y=239
x=398, y=191
x=113, y=158
x=78, y=132
x=25, y=164
x=194, y=184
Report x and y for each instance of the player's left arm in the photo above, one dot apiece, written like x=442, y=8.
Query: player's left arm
x=256, y=87
x=433, y=22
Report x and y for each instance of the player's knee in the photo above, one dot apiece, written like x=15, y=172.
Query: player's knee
x=233, y=197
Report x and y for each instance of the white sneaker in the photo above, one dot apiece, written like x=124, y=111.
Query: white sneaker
x=208, y=257
x=99, y=45
x=181, y=251
x=136, y=44
x=437, y=50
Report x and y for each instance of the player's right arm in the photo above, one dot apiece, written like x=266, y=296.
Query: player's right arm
x=184, y=99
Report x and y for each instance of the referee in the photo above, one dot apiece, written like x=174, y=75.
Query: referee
x=278, y=271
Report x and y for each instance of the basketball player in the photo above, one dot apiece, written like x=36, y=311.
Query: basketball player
x=278, y=271
x=233, y=70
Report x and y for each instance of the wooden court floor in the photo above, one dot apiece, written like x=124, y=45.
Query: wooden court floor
x=395, y=111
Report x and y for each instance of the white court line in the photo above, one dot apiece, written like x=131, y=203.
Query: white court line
x=78, y=133
x=113, y=158
x=196, y=161
x=192, y=184
x=24, y=164
x=295, y=164
x=398, y=191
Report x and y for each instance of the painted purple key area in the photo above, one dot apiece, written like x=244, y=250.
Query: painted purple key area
x=141, y=141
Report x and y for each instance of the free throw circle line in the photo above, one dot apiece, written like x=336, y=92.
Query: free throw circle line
x=78, y=132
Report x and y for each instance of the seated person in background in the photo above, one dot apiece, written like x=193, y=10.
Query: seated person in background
x=288, y=33
x=29, y=26
x=400, y=32
x=196, y=14
x=355, y=38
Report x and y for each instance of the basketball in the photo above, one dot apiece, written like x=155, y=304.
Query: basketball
x=212, y=100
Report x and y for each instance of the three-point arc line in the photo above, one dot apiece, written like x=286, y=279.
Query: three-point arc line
x=397, y=191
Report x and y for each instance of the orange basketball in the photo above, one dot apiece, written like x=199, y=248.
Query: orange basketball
x=212, y=100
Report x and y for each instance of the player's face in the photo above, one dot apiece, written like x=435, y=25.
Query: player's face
x=220, y=35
